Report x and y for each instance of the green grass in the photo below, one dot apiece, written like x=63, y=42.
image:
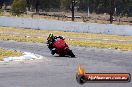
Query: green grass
x=8, y=53
x=30, y=35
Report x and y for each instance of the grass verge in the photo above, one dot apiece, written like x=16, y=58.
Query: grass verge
x=30, y=35
x=43, y=33
x=111, y=45
x=84, y=43
x=8, y=53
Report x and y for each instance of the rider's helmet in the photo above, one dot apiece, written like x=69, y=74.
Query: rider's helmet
x=51, y=36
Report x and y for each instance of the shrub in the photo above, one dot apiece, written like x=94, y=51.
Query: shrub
x=18, y=7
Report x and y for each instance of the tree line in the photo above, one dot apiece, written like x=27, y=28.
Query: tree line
x=120, y=7
x=98, y=6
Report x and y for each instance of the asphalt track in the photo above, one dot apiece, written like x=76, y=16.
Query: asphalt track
x=53, y=71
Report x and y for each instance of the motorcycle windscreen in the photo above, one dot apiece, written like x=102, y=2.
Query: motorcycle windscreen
x=59, y=43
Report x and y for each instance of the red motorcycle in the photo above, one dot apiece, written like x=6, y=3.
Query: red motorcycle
x=61, y=48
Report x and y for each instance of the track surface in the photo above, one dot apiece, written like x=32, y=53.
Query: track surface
x=60, y=71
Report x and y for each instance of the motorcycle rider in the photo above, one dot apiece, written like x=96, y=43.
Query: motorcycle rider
x=51, y=39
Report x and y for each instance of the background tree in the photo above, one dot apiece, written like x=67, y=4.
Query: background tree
x=65, y=4
x=1, y=3
x=18, y=7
